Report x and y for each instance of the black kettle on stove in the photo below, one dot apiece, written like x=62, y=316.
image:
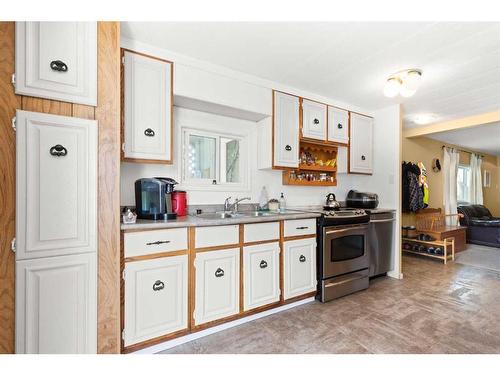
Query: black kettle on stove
x=331, y=203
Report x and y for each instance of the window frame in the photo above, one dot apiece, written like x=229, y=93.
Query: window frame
x=206, y=184
x=467, y=186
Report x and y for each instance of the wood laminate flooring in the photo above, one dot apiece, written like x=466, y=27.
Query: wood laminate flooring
x=434, y=309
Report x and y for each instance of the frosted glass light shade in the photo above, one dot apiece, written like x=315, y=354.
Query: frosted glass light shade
x=392, y=87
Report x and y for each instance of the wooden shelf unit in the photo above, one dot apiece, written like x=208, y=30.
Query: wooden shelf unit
x=447, y=242
x=321, y=151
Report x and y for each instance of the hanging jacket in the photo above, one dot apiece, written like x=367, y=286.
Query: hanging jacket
x=413, y=197
x=423, y=183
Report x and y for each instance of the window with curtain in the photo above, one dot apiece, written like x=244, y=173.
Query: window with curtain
x=463, y=184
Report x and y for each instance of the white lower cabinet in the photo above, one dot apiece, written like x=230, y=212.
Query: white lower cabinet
x=56, y=308
x=261, y=275
x=299, y=267
x=217, y=284
x=156, y=298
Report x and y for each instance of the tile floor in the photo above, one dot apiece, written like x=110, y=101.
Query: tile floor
x=434, y=309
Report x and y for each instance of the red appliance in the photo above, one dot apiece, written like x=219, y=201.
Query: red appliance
x=179, y=202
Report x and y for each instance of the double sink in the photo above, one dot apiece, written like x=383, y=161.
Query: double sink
x=233, y=215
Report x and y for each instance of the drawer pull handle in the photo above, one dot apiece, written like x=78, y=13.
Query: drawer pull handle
x=316, y=121
x=157, y=243
x=263, y=264
x=302, y=259
x=149, y=132
x=58, y=150
x=300, y=228
x=158, y=285
x=219, y=272
x=58, y=66
x=288, y=148
x=339, y=126
x=363, y=157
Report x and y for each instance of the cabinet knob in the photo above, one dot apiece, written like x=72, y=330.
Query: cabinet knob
x=339, y=126
x=363, y=157
x=58, y=150
x=219, y=272
x=302, y=259
x=158, y=285
x=288, y=148
x=58, y=66
x=263, y=264
x=149, y=132
x=316, y=121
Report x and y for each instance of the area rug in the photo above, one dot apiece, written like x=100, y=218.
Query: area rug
x=480, y=256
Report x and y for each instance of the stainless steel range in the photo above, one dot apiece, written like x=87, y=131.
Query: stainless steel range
x=343, y=256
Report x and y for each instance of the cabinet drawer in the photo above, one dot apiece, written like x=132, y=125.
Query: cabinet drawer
x=217, y=236
x=261, y=275
x=154, y=241
x=299, y=227
x=155, y=298
x=261, y=232
x=300, y=267
x=217, y=285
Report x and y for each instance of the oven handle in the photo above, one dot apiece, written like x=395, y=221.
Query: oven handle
x=382, y=221
x=344, y=230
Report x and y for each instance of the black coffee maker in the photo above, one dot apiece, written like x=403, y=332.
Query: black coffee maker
x=153, y=199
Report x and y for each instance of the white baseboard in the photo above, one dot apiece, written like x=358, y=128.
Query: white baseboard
x=193, y=336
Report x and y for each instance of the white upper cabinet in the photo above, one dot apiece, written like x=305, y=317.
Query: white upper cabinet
x=56, y=189
x=56, y=305
x=147, y=108
x=217, y=285
x=338, y=125
x=57, y=60
x=313, y=120
x=156, y=295
x=361, y=147
x=286, y=130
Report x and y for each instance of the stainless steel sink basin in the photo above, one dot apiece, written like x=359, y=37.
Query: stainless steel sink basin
x=231, y=215
x=218, y=215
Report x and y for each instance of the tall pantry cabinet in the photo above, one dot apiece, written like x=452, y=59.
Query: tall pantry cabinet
x=56, y=193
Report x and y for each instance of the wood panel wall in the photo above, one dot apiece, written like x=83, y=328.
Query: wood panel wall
x=107, y=113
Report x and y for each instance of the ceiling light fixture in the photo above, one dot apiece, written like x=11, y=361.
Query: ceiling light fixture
x=424, y=118
x=404, y=83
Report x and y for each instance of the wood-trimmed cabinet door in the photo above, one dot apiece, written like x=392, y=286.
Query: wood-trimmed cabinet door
x=299, y=267
x=361, y=147
x=56, y=189
x=338, y=125
x=57, y=60
x=286, y=130
x=261, y=275
x=56, y=305
x=156, y=298
x=314, y=120
x=217, y=289
x=147, y=108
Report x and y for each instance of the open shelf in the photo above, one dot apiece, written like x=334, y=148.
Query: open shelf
x=447, y=242
x=317, y=168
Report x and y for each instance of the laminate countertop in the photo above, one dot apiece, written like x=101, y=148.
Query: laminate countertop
x=194, y=221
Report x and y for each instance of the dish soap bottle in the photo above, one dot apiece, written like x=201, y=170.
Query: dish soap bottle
x=264, y=198
x=282, y=204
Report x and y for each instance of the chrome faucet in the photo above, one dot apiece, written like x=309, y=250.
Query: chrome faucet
x=233, y=207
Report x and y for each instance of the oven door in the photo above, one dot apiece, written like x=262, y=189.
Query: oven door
x=345, y=249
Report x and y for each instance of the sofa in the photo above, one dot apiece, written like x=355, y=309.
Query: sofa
x=482, y=227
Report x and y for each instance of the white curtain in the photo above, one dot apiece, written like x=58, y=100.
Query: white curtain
x=476, y=183
x=450, y=168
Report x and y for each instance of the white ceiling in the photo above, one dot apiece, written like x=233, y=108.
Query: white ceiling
x=351, y=61
x=484, y=138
